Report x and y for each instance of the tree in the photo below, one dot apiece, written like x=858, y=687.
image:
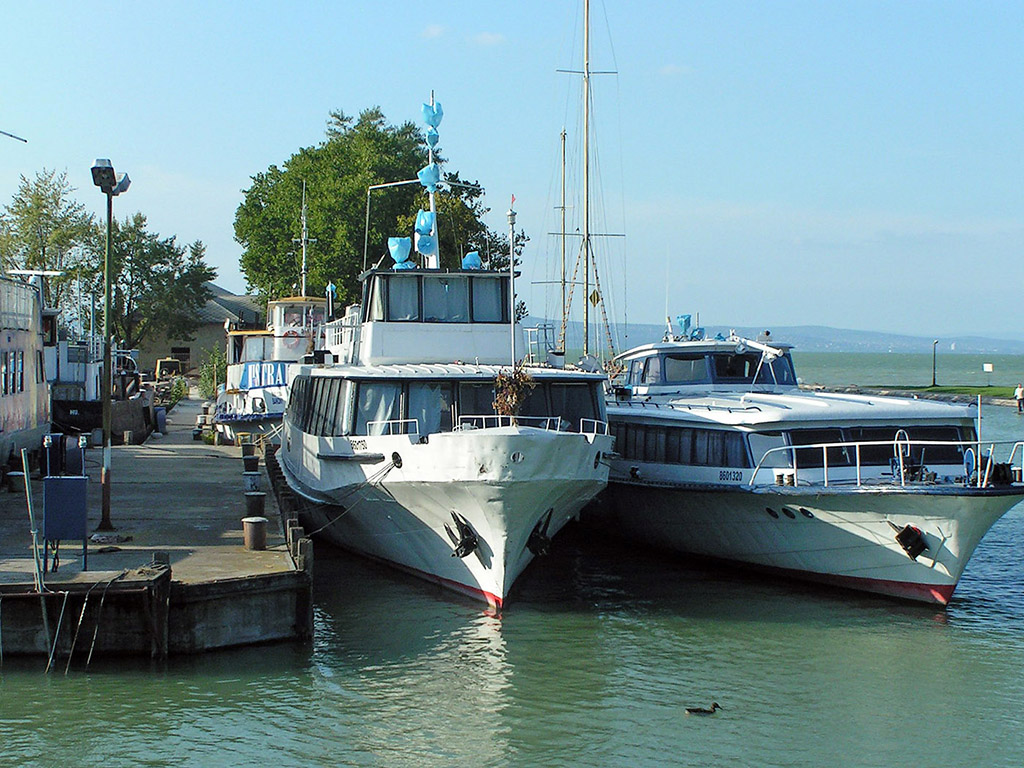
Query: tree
x=44, y=228
x=356, y=154
x=157, y=286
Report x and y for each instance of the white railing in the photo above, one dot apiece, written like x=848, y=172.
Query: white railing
x=343, y=338
x=593, y=427
x=902, y=465
x=391, y=424
x=540, y=340
x=493, y=420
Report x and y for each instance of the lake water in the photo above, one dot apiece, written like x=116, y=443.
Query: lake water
x=593, y=663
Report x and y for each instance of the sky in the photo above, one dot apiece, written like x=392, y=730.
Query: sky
x=852, y=164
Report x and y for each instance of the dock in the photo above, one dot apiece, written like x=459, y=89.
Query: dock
x=175, y=576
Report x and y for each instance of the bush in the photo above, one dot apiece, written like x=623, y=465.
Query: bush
x=212, y=371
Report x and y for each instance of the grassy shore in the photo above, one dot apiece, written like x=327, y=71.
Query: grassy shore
x=1001, y=392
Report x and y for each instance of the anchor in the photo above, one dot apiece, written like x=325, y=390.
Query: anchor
x=539, y=542
x=910, y=538
x=466, y=542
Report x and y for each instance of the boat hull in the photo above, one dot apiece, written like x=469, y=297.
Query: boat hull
x=840, y=536
x=397, y=501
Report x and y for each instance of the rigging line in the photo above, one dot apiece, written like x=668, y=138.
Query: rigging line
x=604, y=314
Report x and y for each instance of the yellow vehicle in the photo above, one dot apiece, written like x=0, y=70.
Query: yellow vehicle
x=168, y=367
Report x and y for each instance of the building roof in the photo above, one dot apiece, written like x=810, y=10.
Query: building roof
x=224, y=305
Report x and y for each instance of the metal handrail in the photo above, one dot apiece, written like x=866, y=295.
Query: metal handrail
x=901, y=448
x=598, y=427
x=390, y=424
x=491, y=420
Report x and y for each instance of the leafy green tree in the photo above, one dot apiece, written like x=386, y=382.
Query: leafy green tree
x=157, y=286
x=356, y=154
x=212, y=371
x=45, y=228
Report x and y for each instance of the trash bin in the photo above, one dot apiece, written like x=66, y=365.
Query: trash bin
x=161, y=419
x=254, y=532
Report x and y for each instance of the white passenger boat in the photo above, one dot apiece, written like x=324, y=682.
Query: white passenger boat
x=396, y=437
x=253, y=398
x=24, y=391
x=722, y=455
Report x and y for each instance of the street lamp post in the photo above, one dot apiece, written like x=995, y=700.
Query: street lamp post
x=110, y=184
x=934, y=344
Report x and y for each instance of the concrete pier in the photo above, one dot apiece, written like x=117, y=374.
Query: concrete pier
x=173, y=577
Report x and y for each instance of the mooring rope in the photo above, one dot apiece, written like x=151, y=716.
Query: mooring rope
x=373, y=479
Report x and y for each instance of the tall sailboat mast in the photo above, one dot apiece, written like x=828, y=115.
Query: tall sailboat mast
x=565, y=309
x=586, y=178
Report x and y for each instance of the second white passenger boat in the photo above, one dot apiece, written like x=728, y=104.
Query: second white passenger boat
x=722, y=455
x=396, y=439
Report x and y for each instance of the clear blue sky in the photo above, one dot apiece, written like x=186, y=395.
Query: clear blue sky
x=855, y=164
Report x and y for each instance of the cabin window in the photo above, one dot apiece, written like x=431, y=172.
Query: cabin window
x=489, y=305
x=812, y=457
x=376, y=402
x=375, y=300
x=779, y=371
x=430, y=403
x=536, y=403
x=636, y=368
x=476, y=398
x=652, y=371
x=685, y=369
x=573, y=402
x=20, y=378
x=446, y=299
x=736, y=368
x=3, y=372
x=403, y=299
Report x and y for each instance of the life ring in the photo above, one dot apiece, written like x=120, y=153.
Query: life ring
x=291, y=339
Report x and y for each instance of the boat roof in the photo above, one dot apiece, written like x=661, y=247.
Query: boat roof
x=444, y=371
x=701, y=345
x=793, y=407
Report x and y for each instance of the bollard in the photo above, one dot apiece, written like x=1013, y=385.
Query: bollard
x=127, y=437
x=251, y=481
x=252, y=463
x=255, y=502
x=254, y=532
x=15, y=482
x=248, y=449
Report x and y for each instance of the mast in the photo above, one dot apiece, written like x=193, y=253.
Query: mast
x=565, y=310
x=304, y=240
x=586, y=178
x=430, y=262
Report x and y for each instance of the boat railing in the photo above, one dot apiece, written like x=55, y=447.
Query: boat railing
x=540, y=340
x=593, y=427
x=342, y=338
x=390, y=426
x=903, y=464
x=492, y=420
x=690, y=407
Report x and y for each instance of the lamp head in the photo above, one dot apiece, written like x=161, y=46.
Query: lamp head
x=103, y=176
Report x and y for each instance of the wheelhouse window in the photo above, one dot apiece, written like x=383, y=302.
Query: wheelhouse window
x=430, y=404
x=403, y=294
x=652, y=371
x=489, y=303
x=445, y=299
x=685, y=369
x=377, y=402
x=742, y=368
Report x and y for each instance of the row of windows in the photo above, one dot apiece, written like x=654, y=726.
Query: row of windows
x=680, y=445
x=879, y=455
x=12, y=372
x=444, y=298
x=698, y=368
x=721, y=448
x=320, y=405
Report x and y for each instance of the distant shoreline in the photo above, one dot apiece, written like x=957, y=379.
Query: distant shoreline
x=922, y=393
